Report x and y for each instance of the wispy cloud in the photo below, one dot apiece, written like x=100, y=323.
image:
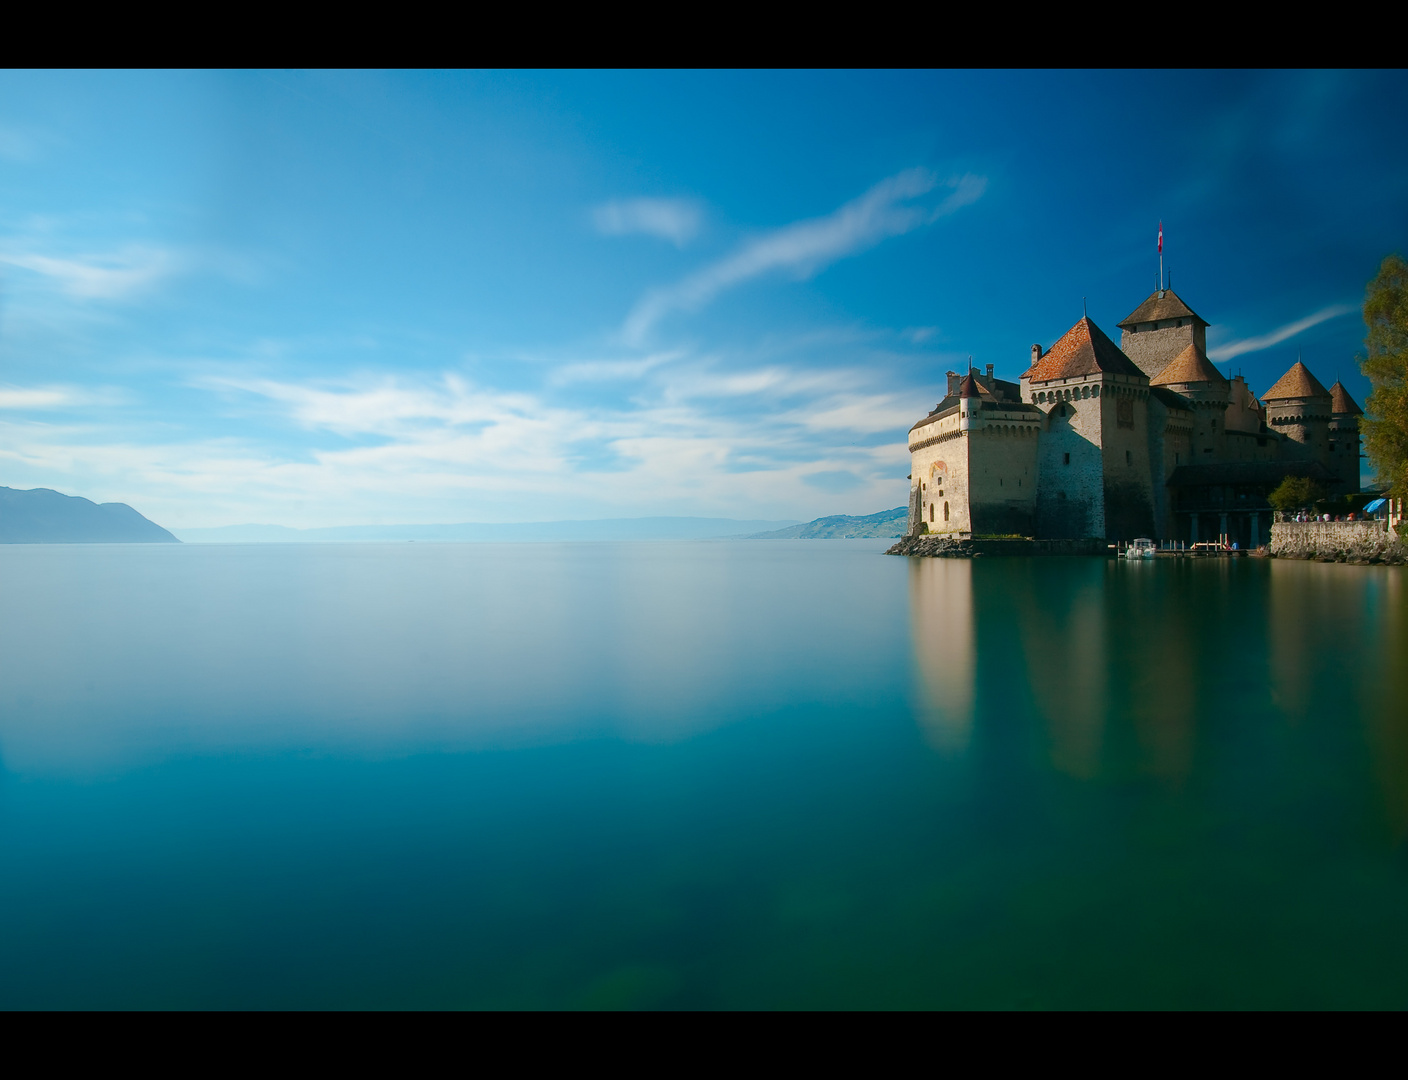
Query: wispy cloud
x=675, y=220
x=607, y=370
x=112, y=276
x=806, y=247
x=1280, y=334
x=25, y=400
x=698, y=435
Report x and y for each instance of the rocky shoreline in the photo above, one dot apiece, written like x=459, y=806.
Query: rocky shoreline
x=950, y=547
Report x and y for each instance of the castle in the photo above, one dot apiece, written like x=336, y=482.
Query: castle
x=1143, y=439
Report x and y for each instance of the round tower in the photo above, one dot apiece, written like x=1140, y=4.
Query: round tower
x=1298, y=407
x=1192, y=375
x=1344, y=437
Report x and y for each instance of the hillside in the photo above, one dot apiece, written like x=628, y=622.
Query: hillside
x=887, y=523
x=42, y=516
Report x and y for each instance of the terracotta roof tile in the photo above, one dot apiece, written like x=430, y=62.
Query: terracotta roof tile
x=1341, y=402
x=1082, y=350
x=1296, y=383
x=1164, y=304
x=1189, y=366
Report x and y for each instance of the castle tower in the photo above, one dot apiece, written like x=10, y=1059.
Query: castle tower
x=1192, y=375
x=1344, y=437
x=1160, y=329
x=1298, y=407
x=1095, y=476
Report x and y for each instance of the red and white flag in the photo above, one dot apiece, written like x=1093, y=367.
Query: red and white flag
x=1161, y=238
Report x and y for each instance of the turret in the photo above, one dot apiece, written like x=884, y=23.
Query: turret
x=1298, y=406
x=969, y=403
x=1192, y=375
x=1344, y=436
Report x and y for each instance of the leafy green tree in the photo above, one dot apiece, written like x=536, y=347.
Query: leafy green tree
x=1295, y=493
x=1385, y=424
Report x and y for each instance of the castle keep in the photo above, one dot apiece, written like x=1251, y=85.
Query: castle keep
x=1144, y=438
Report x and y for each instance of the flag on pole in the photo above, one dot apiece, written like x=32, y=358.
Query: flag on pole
x=1161, y=238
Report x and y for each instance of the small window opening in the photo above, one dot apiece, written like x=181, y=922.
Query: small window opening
x=945, y=511
x=931, y=511
x=1128, y=458
x=1067, y=459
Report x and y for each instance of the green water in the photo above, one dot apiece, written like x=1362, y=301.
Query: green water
x=766, y=774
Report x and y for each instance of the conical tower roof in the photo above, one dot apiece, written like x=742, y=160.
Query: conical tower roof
x=1082, y=350
x=969, y=387
x=1162, y=304
x=1341, y=403
x=1189, y=366
x=1296, y=383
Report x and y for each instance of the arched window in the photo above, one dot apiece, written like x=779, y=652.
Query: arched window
x=945, y=511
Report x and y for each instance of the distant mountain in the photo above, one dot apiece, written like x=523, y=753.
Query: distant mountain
x=651, y=528
x=887, y=523
x=41, y=516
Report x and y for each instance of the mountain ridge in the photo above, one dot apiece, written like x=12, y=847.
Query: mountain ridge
x=887, y=524
x=46, y=516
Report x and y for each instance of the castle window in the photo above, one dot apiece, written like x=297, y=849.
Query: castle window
x=945, y=511
x=1128, y=458
x=931, y=511
x=1067, y=460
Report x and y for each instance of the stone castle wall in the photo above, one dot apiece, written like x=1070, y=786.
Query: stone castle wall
x=1128, y=488
x=1151, y=350
x=1003, y=475
x=939, y=475
x=1071, y=493
x=1342, y=541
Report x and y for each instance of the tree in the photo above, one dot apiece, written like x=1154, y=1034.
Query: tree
x=1295, y=493
x=1385, y=424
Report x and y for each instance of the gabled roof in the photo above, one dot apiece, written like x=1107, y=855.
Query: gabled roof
x=1296, y=383
x=1162, y=304
x=1341, y=402
x=1082, y=350
x=1189, y=366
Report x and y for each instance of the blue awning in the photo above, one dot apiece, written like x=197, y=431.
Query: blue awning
x=1376, y=504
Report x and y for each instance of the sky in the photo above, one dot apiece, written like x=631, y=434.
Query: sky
x=327, y=298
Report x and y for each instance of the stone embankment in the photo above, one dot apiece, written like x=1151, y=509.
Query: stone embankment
x=1337, y=541
x=950, y=547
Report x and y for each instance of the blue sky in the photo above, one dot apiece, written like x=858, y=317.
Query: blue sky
x=325, y=299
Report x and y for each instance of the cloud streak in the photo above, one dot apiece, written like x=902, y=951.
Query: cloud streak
x=1280, y=334
x=675, y=220
x=100, y=277
x=805, y=248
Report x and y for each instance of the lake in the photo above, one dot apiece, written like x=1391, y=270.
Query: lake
x=721, y=774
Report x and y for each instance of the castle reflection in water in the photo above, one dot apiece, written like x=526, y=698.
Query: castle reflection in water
x=1116, y=670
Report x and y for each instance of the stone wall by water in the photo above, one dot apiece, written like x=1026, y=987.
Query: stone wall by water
x=948, y=547
x=1341, y=541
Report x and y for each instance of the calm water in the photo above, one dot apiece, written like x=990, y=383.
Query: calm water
x=727, y=774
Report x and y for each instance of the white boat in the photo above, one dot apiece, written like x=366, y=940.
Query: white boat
x=1142, y=548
